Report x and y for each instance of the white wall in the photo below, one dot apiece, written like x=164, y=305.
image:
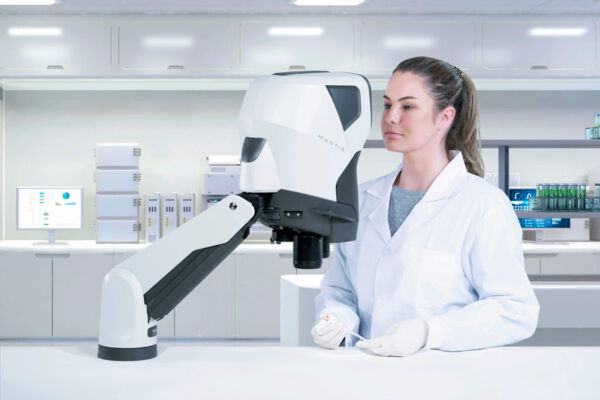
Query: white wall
x=49, y=136
x=1, y=162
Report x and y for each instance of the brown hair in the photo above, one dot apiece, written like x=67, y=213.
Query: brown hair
x=449, y=86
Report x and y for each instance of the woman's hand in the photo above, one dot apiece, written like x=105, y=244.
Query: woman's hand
x=400, y=340
x=329, y=332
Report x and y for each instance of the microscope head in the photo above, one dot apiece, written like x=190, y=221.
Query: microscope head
x=302, y=134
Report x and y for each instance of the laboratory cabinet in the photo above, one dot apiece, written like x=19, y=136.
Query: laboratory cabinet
x=384, y=44
x=77, y=283
x=166, y=326
x=571, y=264
x=162, y=46
x=532, y=265
x=67, y=46
x=257, y=279
x=538, y=45
x=209, y=310
x=25, y=294
x=274, y=46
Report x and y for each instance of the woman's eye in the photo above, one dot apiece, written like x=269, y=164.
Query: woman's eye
x=387, y=106
x=408, y=107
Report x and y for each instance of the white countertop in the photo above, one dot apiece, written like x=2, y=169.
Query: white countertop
x=275, y=372
x=260, y=247
x=91, y=246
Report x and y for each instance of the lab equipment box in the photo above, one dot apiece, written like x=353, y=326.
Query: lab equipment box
x=221, y=183
x=117, y=230
x=117, y=155
x=169, y=213
x=187, y=208
x=152, y=218
x=117, y=181
x=117, y=206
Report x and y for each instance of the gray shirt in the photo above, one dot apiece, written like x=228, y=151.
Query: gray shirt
x=402, y=202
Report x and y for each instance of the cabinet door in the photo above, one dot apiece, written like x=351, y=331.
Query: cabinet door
x=70, y=45
x=77, y=282
x=532, y=265
x=571, y=264
x=384, y=44
x=181, y=45
x=166, y=326
x=25, y=295
x=277, y=46
x=209, y=310
x=257, y=283
x=525, y=45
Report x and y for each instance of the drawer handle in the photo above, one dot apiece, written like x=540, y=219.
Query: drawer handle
x=54, y=67
x=57, y=255
x=283, y=255
x=175, y=67
x=541, y=255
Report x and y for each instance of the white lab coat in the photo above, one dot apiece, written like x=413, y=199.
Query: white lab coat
x=456, y=262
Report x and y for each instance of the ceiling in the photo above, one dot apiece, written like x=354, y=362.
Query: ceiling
x=286, y=7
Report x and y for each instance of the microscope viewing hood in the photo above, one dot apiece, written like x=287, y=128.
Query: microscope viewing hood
x=302, y=135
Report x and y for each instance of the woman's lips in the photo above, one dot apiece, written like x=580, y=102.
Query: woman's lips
x=393, y=133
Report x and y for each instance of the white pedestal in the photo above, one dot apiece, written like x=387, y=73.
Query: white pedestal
x=297, y=308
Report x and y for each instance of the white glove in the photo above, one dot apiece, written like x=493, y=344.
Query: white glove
x=329, y=331
x=401, y=339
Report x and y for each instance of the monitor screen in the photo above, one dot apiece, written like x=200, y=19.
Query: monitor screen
x=50, y=208
x=520, y=198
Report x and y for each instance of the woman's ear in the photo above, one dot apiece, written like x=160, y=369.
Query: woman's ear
x=445, y=119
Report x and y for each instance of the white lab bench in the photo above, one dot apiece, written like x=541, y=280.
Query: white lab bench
x=277, y=372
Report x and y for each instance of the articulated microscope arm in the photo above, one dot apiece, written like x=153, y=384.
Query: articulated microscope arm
x=147, y=286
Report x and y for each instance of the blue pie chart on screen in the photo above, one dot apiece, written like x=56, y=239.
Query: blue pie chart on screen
x=66, y=195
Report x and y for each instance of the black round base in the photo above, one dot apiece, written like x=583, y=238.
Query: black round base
x=126, y=354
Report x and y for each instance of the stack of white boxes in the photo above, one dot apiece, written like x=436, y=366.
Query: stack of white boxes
x=117, y=180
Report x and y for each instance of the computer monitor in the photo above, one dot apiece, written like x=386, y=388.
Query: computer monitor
x=49, y=208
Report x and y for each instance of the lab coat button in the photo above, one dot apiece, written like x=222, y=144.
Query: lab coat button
x=387, y=251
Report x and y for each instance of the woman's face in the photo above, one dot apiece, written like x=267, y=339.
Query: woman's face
x=408, y=122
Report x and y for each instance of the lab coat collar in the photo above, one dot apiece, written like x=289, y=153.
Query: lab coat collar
x=445, y=185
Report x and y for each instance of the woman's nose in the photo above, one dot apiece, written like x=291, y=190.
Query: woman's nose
x=392, y=116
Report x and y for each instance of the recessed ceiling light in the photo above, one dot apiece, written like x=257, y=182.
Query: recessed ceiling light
x=27, y=2
x=557, y=31
x=328, y=2
x=409, y=42
x=168, y=41
x=295, y=31
x=34, y=31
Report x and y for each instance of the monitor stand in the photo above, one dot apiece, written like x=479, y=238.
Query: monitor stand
x=50, y=240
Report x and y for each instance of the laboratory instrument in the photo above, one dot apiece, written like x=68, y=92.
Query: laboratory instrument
x=117, y=200
x=152, y=218
x=302, y=135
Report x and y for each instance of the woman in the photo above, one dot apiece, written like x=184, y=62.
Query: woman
x=438, y=262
